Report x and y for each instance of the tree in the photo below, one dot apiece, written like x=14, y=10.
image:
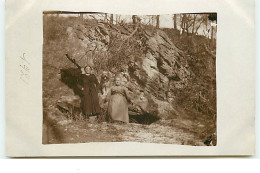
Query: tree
x=193, y=23
x=81, y=16
x=152, y=20
x=157, y=21
x=105, y=17
x=212, y=17
x=183, y=22
x=190, y=23
x=134, y=19
x=117, y=18
x=199, y=20
x=174, y=21
x=111, y=19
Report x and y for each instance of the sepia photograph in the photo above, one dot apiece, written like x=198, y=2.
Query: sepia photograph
x=129, y=78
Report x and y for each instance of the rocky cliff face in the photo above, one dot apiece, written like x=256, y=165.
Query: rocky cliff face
x=155, y=65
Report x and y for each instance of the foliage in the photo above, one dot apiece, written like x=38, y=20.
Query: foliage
x=121, y=51
x=199, y=94
x=212, y=16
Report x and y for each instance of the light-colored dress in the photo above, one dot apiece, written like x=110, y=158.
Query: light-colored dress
x=118, y=98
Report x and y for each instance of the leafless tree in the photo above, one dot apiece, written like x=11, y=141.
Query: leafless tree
x=134, y=19
x=157, y=21
x=190, y=23
x=213, y=18
x=81, y=16
x=117, y=18
x=183, y=22
x=153, y=20
x=175, y=21
x=198, y=21
x=105, y=17
x=111, y=19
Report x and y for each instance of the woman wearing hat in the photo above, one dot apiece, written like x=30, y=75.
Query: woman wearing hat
x=90, y=103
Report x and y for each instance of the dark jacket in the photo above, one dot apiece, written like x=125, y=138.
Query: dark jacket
x=90, y=102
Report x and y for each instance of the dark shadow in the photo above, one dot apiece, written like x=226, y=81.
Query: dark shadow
x=50, y=131
x=143, y=119
x=72, y=78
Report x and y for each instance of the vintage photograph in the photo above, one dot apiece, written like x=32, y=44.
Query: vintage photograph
x=129, y=78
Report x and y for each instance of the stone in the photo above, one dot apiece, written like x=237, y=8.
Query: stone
x=70, y=105
x=153, y=76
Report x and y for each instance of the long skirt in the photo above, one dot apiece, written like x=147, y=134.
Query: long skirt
x=118, y=108
x=90, y=104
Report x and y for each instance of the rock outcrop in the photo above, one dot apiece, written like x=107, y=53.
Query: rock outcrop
x=153, y=76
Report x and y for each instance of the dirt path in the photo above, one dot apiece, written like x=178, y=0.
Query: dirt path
x=163, y=131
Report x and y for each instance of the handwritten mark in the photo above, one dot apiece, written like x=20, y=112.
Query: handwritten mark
x=25, y=59
x=24, y=68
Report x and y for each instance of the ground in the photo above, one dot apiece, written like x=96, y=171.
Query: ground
x=178, y=130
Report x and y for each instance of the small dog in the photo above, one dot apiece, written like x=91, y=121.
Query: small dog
x=105, y=82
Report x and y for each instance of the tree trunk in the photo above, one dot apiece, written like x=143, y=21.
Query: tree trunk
x=174, y=21
x=157, y=21
x=149, y=20
x=153, y=20
x=206, y=23
x=105, y=19
x=193, y=23
x=81, y=16
x=111, y=18
x=134, y=19
x=183, y=23
x=117, y=18
x=212, y=36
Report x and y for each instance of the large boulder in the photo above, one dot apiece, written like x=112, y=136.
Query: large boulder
x=70, y=105
x=153, y=76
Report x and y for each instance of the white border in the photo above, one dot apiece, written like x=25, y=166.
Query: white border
x=226, y=11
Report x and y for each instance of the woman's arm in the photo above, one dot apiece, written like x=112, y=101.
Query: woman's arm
x=127, y=95
x=108, y=95
x=98, y=86
x=79, y=84
x=95, y=80
x=80, y=87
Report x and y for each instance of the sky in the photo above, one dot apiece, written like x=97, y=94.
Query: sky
x=166, y=21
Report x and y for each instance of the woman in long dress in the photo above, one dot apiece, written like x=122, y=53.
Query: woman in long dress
x=118, y=98
x=89, y=101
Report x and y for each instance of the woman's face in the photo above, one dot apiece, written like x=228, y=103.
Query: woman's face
x=88, y=70
x=118, y=82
